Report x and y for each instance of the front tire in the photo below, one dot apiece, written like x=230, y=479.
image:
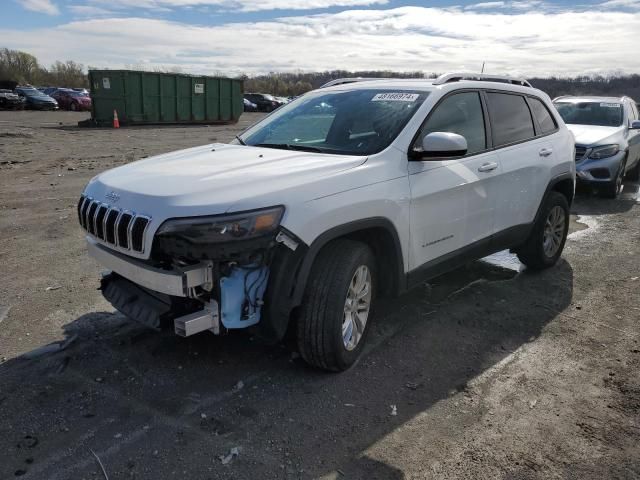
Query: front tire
x=74, y=107
x=335, y=315
x=546, y=241
x=614, y=188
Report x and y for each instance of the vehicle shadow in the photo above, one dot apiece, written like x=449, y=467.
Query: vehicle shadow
x=588, y=202
x=149, y=403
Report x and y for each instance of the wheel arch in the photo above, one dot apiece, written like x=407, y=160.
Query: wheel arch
x=380, y=235
x=290, y=270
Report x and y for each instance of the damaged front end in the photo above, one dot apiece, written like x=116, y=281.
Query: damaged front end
x=205, y=273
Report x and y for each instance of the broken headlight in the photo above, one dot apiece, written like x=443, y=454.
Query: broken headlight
x=223, y=228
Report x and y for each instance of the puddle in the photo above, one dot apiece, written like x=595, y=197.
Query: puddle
x=591, y=225
x=504, y=259
x=631, y=192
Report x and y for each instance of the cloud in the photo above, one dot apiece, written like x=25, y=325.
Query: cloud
x=89, y=11
x=406, y=39
x=243, y=5
x=486, y=5
x=40, y=6
x=631, y=4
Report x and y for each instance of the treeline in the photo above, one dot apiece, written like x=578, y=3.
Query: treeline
x=24, y=68
x=292, y=84
x=611, y=86
x=287, y=84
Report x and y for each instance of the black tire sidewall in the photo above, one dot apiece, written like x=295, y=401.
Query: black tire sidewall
x=345, y=357
x=555, y=199
x=320, y=322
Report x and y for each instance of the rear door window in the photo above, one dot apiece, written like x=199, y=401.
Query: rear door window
x=511, y=120
x=545, y=120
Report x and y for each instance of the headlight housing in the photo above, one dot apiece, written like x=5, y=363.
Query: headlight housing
x=223, y=228
x=604, y=151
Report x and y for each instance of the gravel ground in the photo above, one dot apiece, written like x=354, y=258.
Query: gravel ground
x=487, y=372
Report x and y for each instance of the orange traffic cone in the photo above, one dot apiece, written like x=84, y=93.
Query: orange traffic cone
x=116, y=122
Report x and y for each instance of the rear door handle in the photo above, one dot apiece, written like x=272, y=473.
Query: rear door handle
x=487, y=167
x=545, y=152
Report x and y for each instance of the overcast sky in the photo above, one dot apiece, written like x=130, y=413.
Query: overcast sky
x=524, y=37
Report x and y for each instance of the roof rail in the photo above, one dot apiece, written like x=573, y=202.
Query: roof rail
x=456, y=77
x=342, y=81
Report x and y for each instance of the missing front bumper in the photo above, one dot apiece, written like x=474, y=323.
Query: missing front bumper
x=177, y=283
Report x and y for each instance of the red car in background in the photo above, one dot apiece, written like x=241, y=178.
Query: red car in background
x=69, y=99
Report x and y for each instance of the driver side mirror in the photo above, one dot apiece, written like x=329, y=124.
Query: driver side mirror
x=441, y=145
x=635, y=125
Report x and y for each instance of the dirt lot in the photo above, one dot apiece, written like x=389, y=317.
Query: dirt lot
x=493, y=372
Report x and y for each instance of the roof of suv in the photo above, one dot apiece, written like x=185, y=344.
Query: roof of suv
x=580, y=99
x=428, y=84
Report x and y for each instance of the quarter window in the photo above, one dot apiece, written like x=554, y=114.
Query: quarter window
x=510, y=118
x=460, y=113
x=545, y=119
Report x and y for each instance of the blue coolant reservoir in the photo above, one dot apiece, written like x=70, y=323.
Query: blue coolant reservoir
x=242, y=296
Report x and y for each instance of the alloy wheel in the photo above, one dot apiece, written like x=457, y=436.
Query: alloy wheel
x=553, y=231
x=356, y=307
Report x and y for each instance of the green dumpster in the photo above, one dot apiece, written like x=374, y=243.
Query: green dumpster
x=153, y=98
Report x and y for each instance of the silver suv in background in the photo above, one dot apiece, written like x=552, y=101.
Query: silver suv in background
x=607, y=134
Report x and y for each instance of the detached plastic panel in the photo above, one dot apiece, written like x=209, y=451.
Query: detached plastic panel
x=241, y=296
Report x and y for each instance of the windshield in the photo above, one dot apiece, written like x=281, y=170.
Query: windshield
x=31, y=92
x=591, y=113
x=355, y=122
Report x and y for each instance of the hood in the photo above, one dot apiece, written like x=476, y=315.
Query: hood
x=215, y=178
x=588, y=135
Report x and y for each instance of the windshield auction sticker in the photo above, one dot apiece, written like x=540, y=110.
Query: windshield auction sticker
x=610, y=105
x=395, y=97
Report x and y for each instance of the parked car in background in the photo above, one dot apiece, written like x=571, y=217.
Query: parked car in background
x=249, y=106
x=264, y=101
x=48, y=90
x=282, y=100
x=305, y=220
x=10, y=100
x=69, y=99
x=35, y=99
x=607, y=134
x=81, y=90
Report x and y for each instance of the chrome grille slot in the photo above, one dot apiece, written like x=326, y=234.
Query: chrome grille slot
x=91, y=218
x=123, y=229
x=110, y=226
x=85, y=207
x=138, y=229
x=100, y=214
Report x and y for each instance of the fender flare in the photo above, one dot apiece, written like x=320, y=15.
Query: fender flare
x=291, y=269
x=550, y=186
x=341, y=231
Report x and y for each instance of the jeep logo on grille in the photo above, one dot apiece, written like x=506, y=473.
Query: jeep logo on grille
x=112, y=196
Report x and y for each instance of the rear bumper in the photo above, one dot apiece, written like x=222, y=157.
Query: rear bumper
x=177, y=283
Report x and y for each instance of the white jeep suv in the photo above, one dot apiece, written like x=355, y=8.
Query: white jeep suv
x=346, y=194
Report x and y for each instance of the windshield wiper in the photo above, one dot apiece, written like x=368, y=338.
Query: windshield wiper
x=290, y=146
x=240, y=140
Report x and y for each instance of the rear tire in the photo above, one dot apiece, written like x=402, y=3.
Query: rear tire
x=336, y=312
x=546, y=241
x=634, y=173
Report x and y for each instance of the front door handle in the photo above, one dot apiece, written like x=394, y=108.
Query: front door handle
x=487, y=167
x=545, y=152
